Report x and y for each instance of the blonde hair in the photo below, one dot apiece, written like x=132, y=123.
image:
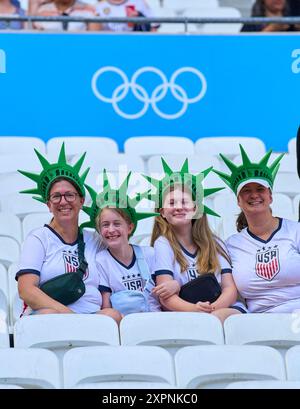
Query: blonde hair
x=121, y=212
x=208, y=244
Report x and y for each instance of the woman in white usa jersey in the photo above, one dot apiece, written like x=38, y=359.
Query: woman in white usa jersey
x=265, y=253
x=53, y=249
x=185, y=247
x=123, y=268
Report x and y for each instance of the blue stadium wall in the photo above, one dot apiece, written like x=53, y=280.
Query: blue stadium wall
x=128, y=85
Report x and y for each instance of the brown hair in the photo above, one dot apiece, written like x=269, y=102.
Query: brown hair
x=241, y=222
x=60, y=179
x=208, y=244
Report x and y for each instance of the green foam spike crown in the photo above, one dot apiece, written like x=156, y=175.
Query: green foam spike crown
x=114, y=198
x=249, y=170
x=53, y=171
x=183, y=177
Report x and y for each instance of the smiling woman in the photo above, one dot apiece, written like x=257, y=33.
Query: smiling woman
x=265, y=254
x=185, y=248
x=124, y=269
x=53, y=250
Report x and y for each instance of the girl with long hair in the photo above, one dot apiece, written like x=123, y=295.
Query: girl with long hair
x=185, y=248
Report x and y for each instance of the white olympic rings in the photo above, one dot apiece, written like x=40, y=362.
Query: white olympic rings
x=141, y=94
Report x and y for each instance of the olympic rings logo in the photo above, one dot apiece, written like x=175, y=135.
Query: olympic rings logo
x=141, y=94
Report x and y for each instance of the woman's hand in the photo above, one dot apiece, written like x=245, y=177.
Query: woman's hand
x=166, y=289
x=204, y=307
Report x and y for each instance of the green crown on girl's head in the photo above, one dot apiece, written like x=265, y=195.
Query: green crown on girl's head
x=114, y=198
x=250, y=171
x=183, y=178
x=53, y=171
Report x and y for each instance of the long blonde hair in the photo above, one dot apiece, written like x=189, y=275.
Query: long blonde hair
x=208, y=244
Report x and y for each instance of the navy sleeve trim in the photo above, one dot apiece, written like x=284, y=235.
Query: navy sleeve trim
x=22, y=272
x=104, y=289
x=226, y=270
x=162, y=272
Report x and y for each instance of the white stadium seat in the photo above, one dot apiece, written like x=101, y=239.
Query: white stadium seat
x=180, y=5
x=215, y=366
x=264, y=385
x=33, y=221
x=4, y=334
x=292, y=361
x=287, y=183
x=4, y=310
x=15, y=303
x=229, y=146
x=105, y=365
x=296, y=201
x=292, y=146
x=146, y=146
x=282, y=206
x=125, y=385
x=171, y=330
x=225, y=204
x=279, y=331
x=153, y=3
x=12, y=183
x=221, y=12
x=21, y=145
x=29, y=368
x=9, y=251
x=10, y=386
x=116, y=162
x=168, y=27
x=77, y=145
x=64, y=331
x=22, y=204
x=197, y=162
x=10, y=226
x=61, y=332
x=11, y=162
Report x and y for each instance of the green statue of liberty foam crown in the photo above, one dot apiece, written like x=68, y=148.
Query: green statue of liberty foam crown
x=249, y=171
x=184, y=178
x=114, y=198
x=51, y=172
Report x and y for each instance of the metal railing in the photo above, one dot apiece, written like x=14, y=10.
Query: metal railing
x=158, y=20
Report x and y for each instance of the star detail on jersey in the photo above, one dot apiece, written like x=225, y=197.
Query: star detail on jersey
x=133, y=282
x=267, y=264
x=71, y=262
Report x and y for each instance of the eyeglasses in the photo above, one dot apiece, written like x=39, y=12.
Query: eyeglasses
x=69, y=197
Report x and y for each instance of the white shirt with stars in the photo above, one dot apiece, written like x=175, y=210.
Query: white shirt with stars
x=116, y=276
x=47, y=255
x=267, y=272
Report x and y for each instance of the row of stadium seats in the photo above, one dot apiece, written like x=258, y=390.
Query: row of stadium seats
x=138, y=145
x=255, y=347
x=148, y=367
x=145, y=146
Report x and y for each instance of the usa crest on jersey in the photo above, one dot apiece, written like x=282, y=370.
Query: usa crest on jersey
x=71, y=261
x=267, y=263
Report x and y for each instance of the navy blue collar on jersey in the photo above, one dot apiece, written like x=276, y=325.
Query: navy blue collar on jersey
x=123, y=265
x=272, y=235
x=187, y=252
x=59, y=236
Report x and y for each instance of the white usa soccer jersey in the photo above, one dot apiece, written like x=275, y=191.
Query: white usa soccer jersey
x=116, y=276
x=267, y=272
x=165, y=263
x=45, y=254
